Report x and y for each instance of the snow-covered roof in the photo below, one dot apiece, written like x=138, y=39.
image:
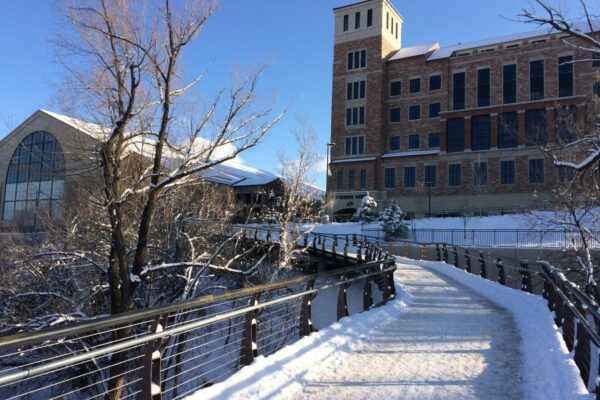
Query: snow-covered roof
x=411, y=153
x=96, y=131
x=447, y=51
x=413, y=51
x=234, y=173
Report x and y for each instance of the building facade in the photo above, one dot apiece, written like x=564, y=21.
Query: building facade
x=444, y=130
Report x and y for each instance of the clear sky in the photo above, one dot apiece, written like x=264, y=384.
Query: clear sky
x=294, y=38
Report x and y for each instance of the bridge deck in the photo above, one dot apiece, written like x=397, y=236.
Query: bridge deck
x=448, y=343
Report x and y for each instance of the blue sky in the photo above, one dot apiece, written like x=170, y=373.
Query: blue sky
x=294, y=38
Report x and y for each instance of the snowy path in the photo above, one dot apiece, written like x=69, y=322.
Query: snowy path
x=449, y=343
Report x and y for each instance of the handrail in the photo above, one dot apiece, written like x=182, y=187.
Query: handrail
x=154, y=351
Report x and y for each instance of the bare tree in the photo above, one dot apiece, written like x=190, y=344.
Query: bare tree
x=123, y=62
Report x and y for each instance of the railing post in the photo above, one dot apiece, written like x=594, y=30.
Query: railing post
x=354, y=239
x=367, y=294
x=333, y=246
x=306, y=326
x=152, y=384
x=249, y=345
x=526, y=284
x=346, y=252
x=438, y=255
x=305, y=240
x=455, y=253
x=323, y=251
x=358, y=251
x=342, y=301
x=482, y=268
x=501, y=275
x=314, y=243
x=445, y=251
x=468, y=266
x=424, y=255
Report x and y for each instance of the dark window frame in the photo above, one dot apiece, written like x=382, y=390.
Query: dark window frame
x=394, y=143
x=565, y=76
x=395, y=88
x=369, y=17
x=454, y=175
x=455, y=137
x=389, y=177
x=434, y=110
x=437, y=80
x=481, y=132
x=414, y=112
x=414, y=141
x=433, y=140
x=536, y=80
x=395, y=115
x=535, y=171
x=430, y=177
x=480, y=173
x=483, y=87
x=459, y=81
x=346, y=23
x=414, y=85
x=509, y=83
x=508, y=130
x=507, y=172
x=410, y=180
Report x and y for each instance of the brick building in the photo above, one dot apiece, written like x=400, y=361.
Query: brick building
x=461, y=125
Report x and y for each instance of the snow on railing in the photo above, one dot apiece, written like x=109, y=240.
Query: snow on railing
x=170, y=351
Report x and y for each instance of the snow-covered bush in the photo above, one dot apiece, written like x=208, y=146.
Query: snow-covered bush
x=367, y=212
x=392, y=222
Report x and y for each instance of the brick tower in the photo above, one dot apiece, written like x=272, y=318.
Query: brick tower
x=366, y=34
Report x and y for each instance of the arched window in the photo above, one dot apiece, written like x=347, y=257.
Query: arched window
x=35, y=179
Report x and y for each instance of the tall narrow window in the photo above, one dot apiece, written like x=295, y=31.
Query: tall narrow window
x=351, y=179
x=355, y=116
x=363, y=179
x=413, y=141
x=454, y=175
x=394, y=143
x=394, y=114
x=455, y=135
x=410, y=177
x=387, y=21
x=480, y=173
x=357, y=59
x=458, y=91
x=507, y=172
x=395, y=88
x=483, y=87
x=434, y=140
x=536, y=171
x=535, y=133
x=396, y=30
x=340, y=180
x=434, y=110
x=346, y=23
x=414, y=113
x=536, y=80
x=565, y=120
x=389, y=178
x=509, y=89
x=355, y=145
x=430, y=176
x=508, y=132
x=565, y=76
x=595, y=60
x=480, y=132
x=415, y=85
x=35, y=180
x=356, y=90
x=357, y=20
x=369, y=17
x=435, y=82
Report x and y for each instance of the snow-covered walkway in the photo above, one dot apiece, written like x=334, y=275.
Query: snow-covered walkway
x=448, y=343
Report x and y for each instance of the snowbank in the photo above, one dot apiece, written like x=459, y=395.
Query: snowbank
x=549, y=370
x=282, y=372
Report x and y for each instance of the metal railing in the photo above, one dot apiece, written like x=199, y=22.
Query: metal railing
x=525, y=238
x=171, y=351
x=574, y=311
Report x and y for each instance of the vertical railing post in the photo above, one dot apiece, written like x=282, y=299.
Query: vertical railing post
x=249, y=345
x=438, y=255
x=305, y=240
x=354, y=239
x=501, y=275
x=455, y=253
x=482, y=268
x=367, y=293
x=526, y=284
x=152, y=383
x=424, y=255
x=346, y=252
x=445, y=251
x=468, y=266
x=342, y=301
x=306, y=326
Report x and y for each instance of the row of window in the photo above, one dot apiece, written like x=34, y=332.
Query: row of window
x=414, y=140
x=509, y=85
x=357, y=20
x=362, y=180
x=414, y=112
x=390, y=24
x=414, y=85
x=536, y=132
x=455, y=178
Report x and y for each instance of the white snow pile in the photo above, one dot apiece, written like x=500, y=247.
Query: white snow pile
x=282, y=373
x=549, y=371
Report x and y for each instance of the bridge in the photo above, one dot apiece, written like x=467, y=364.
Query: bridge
x=440, y=325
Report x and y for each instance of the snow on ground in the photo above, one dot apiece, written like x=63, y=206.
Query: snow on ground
x=549, y=371
x=448, y=342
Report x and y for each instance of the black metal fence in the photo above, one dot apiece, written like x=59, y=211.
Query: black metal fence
x=169, y=352
x=533, y=238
